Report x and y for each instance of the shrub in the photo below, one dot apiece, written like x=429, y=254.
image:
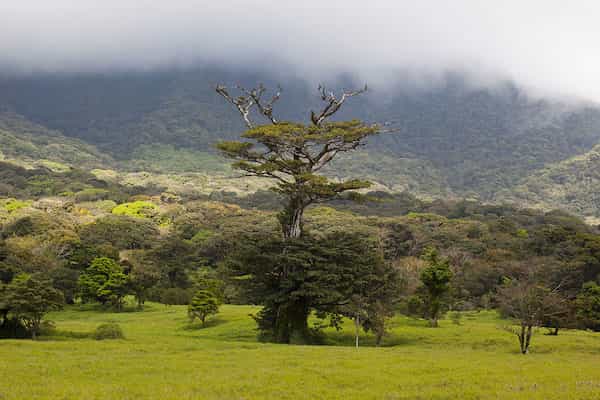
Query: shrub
x=21, y=227
x=91, y=194
x=137, y=209
x=12, y=205
x=108, y=331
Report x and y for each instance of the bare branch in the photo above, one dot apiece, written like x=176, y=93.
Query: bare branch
x=250, y=98
x=264, y=108
x=333, y=104
x=242, y=103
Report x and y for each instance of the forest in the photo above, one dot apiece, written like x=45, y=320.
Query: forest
x=335, y=251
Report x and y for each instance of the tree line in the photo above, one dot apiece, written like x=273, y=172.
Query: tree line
x=366, y=259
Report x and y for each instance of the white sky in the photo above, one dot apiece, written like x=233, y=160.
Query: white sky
x=549, y=45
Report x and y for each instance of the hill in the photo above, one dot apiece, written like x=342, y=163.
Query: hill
x=33, y=145
x=571, y=184
x=454, y=138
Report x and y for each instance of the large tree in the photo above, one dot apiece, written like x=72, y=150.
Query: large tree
x=104, y=281
x=293, y=154
x=292, y=278
x=435, y=279
x=588, y=306
x=28, y=299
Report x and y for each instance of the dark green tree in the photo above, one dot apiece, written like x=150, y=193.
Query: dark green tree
x=123, y=233
x=142, y=278
x=28, y=299
x=7, y=272
x=293, y=154
x=65, y=280
x=104, y=281
x=203, y=304
x=174, y=257
x=435, y=280
x=588, y=306
x=294, y=277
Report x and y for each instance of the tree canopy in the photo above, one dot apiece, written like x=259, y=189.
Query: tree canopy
x=292, y=154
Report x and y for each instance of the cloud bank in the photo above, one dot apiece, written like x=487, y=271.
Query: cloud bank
x=549, y=45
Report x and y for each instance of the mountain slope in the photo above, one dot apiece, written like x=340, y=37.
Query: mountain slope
x=33, y=145
x=453, y=138
x=571, y=184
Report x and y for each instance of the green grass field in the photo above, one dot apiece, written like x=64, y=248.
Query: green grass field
x=162, y=357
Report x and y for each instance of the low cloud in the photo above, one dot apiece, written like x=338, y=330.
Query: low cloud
x=546, y=45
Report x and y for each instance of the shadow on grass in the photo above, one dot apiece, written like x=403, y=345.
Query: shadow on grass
x=197, y=325
x=348, y=339
x=58, y=335
x=97, y=307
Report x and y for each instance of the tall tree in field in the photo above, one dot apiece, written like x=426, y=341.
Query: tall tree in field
x=293, y=154
x=327, y=275
x=435, y=287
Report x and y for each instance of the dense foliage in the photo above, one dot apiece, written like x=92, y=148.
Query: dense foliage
x=292, y=278
x=203, y=304
x=186, y=242
x=24, y=301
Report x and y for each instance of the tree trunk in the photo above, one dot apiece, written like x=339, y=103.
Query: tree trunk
x=528, y=338
x=35, y=328
x=291, y=219
x=356, y=328
x=4, y=317
x=521, y=336
x=525, y=338
x=434, y=312
x=291, y=325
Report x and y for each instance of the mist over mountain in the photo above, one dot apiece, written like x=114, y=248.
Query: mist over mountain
x=539, y=44
x=488, y=100
x=453, y=138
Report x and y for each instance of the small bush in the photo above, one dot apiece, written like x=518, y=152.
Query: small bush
x=91, y=194
x=12, y=205
x=108, y=331
x=137, y=209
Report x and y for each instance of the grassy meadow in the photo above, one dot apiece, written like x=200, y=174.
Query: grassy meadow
x=163, y=357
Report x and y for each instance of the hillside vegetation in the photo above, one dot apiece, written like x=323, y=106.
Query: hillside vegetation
x=33, y=145
x=451, y=139
x=571, y=184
